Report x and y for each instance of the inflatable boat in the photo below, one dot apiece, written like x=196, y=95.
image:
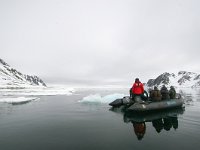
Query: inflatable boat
x=139, y=105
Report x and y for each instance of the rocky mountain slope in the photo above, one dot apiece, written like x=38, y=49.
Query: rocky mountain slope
x=11, y=78
x=181, y=79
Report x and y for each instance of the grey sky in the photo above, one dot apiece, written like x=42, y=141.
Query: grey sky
x=100, y=41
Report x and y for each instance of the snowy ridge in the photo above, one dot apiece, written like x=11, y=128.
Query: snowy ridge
x=182, y=79
x=11, y=78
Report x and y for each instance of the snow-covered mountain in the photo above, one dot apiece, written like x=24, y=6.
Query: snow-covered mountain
x=181, y=79
x=11, y=78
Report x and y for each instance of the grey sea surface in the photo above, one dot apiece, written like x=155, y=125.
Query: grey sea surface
x=66, y=123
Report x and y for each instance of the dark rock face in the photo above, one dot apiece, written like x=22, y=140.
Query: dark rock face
x=181, y=72
x=35, y=80
x=197, y=77
x=17, y=76
x=150, y=82
x=186, y=76
x=161, y=79
x=3, y=62
x=183, y=78
x=197, y=84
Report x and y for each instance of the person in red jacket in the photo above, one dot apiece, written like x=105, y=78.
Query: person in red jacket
x=137, y=89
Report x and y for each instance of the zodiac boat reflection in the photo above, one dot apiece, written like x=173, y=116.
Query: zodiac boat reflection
x=164, y=119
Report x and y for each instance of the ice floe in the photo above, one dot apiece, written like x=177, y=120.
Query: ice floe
x=39, y=91
x=17, y=100
x=97, y=98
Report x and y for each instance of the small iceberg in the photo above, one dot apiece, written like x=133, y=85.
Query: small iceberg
x=17, y=100
x=97, y=98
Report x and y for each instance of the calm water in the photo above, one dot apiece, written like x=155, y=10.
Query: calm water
x=63, y=123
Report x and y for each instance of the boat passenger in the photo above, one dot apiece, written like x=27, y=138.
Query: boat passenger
x=137, y=89
x=172, y=92
x=164, y=92
x=155, y=94
x=150, y=90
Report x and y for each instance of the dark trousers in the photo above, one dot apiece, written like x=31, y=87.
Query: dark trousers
x=132, y=95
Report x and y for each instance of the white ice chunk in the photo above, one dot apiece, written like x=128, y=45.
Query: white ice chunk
x=37, y=91
x=97, y=98
x=17, y=100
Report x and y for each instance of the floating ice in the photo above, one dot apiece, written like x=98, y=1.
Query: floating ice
x=58, y=90
x=97, y=98
x=17, y=100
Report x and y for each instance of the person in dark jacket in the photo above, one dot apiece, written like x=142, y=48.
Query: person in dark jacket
x=164, y=92
x=137, y=89
x=172, y=92
x=155, y=94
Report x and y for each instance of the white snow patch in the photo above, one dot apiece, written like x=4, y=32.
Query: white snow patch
x=97, y=98
x=17, y=100
x=39, y=91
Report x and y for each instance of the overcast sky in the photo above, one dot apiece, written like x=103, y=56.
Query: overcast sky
x=100, y=41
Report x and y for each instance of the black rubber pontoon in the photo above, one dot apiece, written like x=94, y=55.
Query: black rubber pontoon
x=139, y=105
x=119, y=102
x=152, y=106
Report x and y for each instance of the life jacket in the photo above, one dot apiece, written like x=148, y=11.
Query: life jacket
x=137, y=88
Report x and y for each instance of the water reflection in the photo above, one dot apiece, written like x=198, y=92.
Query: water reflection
x=161, y=120
x=159, y=124
x=139, y=129
x=190, y=95
x=165, y=123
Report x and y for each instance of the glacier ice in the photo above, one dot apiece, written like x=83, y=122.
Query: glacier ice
x=17, y=100
x=39, y=91
x=97, y=98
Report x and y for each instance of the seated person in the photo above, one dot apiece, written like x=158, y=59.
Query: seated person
x=164, y=92
x=155, y=94
x=137, y=89
x=172, y=92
